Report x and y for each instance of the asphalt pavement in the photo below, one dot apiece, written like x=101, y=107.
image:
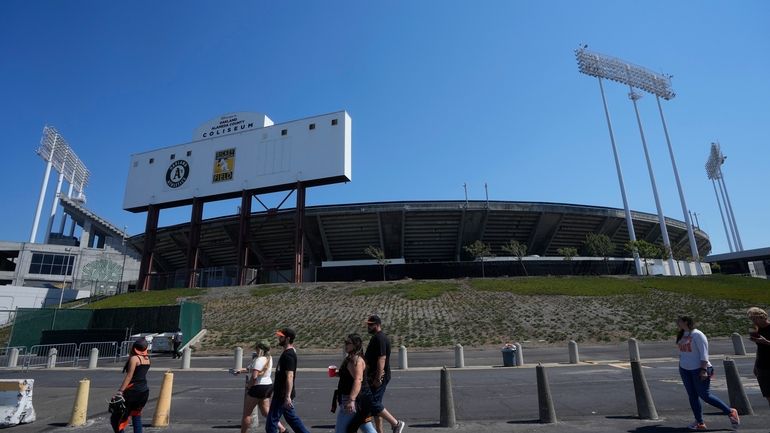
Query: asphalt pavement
x=595, y=395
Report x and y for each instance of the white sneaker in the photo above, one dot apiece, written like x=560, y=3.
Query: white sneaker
x=399, y=427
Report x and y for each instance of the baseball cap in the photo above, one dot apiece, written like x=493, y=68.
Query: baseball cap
x=374, y=320
x=264, y=345
x=286, y=332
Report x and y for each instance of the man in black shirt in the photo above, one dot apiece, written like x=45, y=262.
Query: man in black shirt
x=761, y=336
x=282, y=403
x=378, y=373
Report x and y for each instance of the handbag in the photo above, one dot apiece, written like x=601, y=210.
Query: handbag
x=117, y=405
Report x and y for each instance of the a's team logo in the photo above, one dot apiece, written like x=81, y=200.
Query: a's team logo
x=224, y=164
x=177, y=173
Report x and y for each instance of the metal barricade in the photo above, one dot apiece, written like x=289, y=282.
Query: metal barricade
x=107, y=350
x=38, y=355
x=5, y=352
x=125, y=349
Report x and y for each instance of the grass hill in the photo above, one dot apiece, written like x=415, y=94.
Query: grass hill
x=473, y=312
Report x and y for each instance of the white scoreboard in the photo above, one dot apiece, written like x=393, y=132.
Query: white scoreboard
x=242, y=151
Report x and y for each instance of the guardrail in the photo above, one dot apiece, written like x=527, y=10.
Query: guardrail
x=38, y=355
x=5, y=353
x=125, y=349
x=107, y=350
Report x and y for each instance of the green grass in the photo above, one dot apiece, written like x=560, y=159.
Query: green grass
x=751, y=290
x=152, y=298
x=571, y=286
x=414, y=290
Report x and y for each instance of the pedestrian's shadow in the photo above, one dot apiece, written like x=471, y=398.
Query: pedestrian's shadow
x=665, y=429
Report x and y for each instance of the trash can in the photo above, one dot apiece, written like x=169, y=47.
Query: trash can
x=509, y=356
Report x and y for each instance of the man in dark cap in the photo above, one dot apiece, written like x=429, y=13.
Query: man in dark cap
x=282, y=403
x=378, y=367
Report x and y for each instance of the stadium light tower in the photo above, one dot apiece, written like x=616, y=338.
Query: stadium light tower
x=602, y=66
x=58, y=155
x=714, y=173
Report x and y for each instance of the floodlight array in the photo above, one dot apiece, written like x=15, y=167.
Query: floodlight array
x=714, y=163
x=54, y=148
x=611, y=68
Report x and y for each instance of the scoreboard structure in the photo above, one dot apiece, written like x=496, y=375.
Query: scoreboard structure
x=237, y=155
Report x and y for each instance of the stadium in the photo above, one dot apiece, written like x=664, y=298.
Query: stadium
x=421, y=239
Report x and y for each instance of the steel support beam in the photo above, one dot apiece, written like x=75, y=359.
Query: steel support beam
x=150, y=236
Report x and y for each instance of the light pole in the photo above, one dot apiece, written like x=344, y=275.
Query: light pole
x=714, y=173
x=611, y=68
x=123, y=268
x=64, y=279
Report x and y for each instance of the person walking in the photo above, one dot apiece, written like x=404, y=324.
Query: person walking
x=133, y=389
x=761, y=336
x=259, y=385
x=353, y=396
x=378, y=368
x=282, y=403
x=176, y=340
x=696, y=372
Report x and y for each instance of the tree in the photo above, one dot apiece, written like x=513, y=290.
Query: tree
x=517, y=249
x=666, y=253
x=479, y=250
x=682, y=254
x=568, y=253
x=379, y=255
x=645, y=250
x=599, y=245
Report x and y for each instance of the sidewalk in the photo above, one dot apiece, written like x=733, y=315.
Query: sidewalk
x=599, y=424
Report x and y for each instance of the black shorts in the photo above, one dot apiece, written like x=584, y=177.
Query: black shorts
x=763, y=377
x=260, y=391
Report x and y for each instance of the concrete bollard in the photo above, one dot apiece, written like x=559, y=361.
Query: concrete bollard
x=459, y=356
x=633, y=350
x=238, y=359
x=163, y=407
x=80, y=407
x=13, y=357
x=735, y=390
x=574, y=358
x=403, y=362
x=644, y=403
x=447, y=415
x=186, y=358
x=544, y=400
x=51, y=358
x=519, y=355
x=93, y=358
x=738, y=346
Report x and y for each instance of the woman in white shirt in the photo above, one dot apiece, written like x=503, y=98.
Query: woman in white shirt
x=696, y=372
x=259, y=385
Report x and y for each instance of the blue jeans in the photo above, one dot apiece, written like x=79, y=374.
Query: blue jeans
x=277, y=411
x=344, y=419
x=697, y=389
x=136, y=422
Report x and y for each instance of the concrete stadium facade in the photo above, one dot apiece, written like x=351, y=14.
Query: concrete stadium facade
x=412, y=231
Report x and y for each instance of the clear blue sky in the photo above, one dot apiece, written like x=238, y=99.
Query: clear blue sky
x=441, y=93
